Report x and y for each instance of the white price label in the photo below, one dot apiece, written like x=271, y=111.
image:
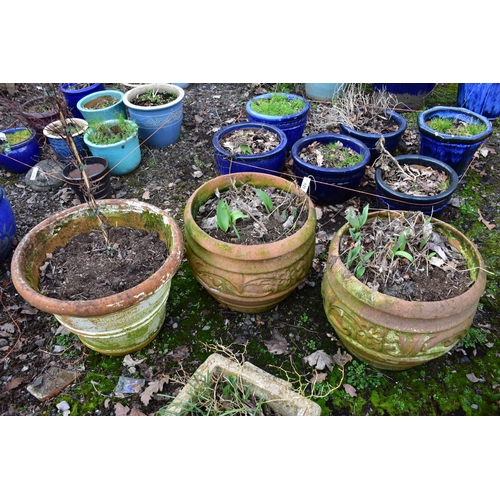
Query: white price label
x=305, y=184
x=34, y=173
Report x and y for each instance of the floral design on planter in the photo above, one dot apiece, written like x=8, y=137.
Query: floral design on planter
x=172, y=119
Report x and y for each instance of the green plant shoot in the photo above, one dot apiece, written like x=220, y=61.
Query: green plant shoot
x=225, y=218
x=266, y=200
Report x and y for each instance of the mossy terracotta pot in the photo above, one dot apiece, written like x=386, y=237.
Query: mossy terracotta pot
x=392, y=333
x=248, y=278
x=120, y=323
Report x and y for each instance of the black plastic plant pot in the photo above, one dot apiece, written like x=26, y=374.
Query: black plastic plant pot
x=426, y=204
x=99, y=175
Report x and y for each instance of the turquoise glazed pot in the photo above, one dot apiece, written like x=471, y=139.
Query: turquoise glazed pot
x=73, y=95
x=22, y=156
x=7, y=226
x=323, y=91
x=457, y=151
x=482, y=98
x=123, y=156
x=111, y=112
x=292, y=125
x=328, y=185
x=271, y=162
x=159, y=126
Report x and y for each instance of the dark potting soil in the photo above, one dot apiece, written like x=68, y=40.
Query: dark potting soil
x=376, y=124
x=91, y=169
x=83, y=270
x=250, y=141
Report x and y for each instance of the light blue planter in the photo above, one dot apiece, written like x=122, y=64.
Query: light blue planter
x=110, y=113
x=7, y=226
x=324, y=91
x=159, y=126
x=123, y=157
x=482, y=98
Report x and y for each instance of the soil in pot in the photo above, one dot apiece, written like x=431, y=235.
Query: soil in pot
x=250, y=141
x=101, y=102
x=367, y=122
x=250, y=216
x=404, y=257
x=330, y=155
x=154, y=97
x=84, y=269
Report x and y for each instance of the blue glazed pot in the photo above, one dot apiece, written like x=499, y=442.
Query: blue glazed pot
x=109, y=113
x=7, y=226
x=123, y=157
x=411, y=94
x=426, y=204
x=266, y=163
x=159, y=126
x=72, y=96
x=328, y=185
x=292, y=125
x=58, y=144
x=22, y=156
x=370, y=140
x=323, y=91
x=456, y=151
x=482, y=98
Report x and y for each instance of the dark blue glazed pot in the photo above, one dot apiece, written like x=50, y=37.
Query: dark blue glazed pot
x=370, y=140
x=426, y=204
x=411, y=94
x=72, y=96
x=22, y=156
x=328, y=185
x=7, y=226
x=482, y=98
x=58, y=144
x=271, y=162
x=456, y=151
x=292, y=125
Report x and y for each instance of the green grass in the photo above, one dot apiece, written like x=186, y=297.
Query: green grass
x=277, y=105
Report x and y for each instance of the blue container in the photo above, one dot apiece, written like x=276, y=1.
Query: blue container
x=427, y=204
x=411, y=94
x=456, y=151
x=72, y=96
x=292, y=125
x=7, y=226
x=324, y=91
x=159, y=126
x=123, y=157
x=370, y=140
x=109, y=113
x=58, y=144
x=22, y=156
x=330, y=186
x=482, y=98
x=271, y=162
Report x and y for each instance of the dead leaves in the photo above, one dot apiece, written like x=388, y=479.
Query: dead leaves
x=152, y=388
x=277, y=344
x=490, y=226
x=320, y=360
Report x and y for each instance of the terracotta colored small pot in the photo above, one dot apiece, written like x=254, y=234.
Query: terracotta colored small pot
x=392, y=333
x=248, y=278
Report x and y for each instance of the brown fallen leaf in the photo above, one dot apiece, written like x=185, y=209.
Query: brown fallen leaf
x=473, y=378
x=490, y=226
x=320, y=359
x=145, y=195
x=152, y=388
x=12, y=384
x=136, y=413
x=277, y=345
x=120, y=410
x=341, y=358
x=318, y=378
x=350, y=390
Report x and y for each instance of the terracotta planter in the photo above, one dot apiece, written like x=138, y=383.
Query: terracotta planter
x=248, y=278
x=117, y=324
x=274, y=391
x=392, y=333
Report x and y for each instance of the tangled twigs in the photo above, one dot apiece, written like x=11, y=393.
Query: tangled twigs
x=13, y=321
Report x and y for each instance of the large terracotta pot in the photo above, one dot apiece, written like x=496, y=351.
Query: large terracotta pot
x=248, y=278
x=117, y=324
x=392, y=333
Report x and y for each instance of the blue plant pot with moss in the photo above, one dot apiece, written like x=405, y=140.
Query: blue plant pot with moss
x=73, y=95
x=455, y=150
x=482, y=98
x=330, y=186
x=7, y=226
x=397, y=200
x=292, y=125
x=20, y=157
x=370, y=140
x=271, y=162
x=87, y=106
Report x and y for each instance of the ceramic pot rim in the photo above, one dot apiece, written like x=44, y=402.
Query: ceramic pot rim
x=290, y=97
x=22, y=143
x=140, y=89
x=115, y=94
x=49, y=131
x=113, y=121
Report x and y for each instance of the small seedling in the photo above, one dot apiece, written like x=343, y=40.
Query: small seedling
x=398, y=249
x=266, y=200
x=356, y=221
x=226, y=219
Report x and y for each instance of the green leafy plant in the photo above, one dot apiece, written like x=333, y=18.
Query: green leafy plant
x=155, y=97
x=226, y=219
x=455, y=127
x=474, y=337
x=102, y=133
x=398, y=249
x=277, y=105
x=361, y=376
x=342, y=156
x=266, y=200
x=355, y=259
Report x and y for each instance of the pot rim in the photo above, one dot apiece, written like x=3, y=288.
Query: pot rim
x=380, y=300
x=427, y=131
x=101, y=93
x=237, y=250
x=113, y=121
x=290, y=97
x=22, y=143
x=140, y=89
x=430, y=199
x=110, y=303
x=64, y=88
x=48, y=130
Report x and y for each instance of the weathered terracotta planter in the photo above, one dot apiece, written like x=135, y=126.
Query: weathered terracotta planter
x=392, y=333
x=248, y=278
x=117, y=324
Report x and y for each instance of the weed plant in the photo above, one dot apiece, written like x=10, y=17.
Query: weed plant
x=277, y=105
x=455, y=127
x=103, y=133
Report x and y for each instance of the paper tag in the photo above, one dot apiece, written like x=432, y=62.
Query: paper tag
x=34, y=173
x=305, y=184
x=3, y=137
